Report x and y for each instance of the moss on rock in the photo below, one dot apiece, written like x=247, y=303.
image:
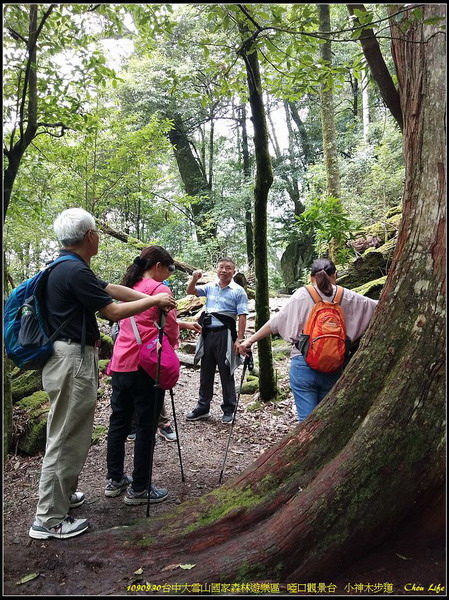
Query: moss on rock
x=25, y=383
x=372, y=289
x=30, y=416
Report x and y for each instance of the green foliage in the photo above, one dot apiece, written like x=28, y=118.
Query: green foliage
x=117, y=163
x=328, y=221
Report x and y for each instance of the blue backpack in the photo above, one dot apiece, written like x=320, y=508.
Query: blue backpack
x=27, y=340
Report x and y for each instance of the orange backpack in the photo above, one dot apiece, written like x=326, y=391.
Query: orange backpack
x=324, y=343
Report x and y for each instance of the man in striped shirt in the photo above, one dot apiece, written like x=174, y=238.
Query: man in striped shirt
x=218, y=345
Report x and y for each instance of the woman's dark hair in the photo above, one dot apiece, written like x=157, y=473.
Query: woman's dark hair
x=321, y=269
x=148, y=258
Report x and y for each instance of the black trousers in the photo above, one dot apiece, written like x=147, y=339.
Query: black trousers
x=133, y=392
x=215, y=345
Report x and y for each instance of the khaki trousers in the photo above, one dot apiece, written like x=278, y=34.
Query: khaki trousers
x=72, y=384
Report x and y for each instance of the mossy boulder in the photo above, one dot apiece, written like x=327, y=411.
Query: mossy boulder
x=30, y=422
x=297, y=257
x=250, y=385
x=372, y=289
x=370, y=266
x=282, y=352
x=106, y=346
x=187, y=347
x=25, y=383
x=189, y=305
x=102, y=365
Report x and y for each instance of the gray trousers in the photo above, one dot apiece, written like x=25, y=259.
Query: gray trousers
x=215, y=346
x=72, y=387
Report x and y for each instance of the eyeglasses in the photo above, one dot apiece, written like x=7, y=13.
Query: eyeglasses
x=171, y=268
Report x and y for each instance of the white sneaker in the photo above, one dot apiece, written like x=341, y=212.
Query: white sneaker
x=67, y=528
x=77, y=499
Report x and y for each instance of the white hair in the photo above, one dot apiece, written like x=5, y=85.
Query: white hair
x=72, y=224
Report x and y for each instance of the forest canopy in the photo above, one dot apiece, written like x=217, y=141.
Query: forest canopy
x=139, y=114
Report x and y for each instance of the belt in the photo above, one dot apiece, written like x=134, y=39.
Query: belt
x=214, y=329
x=95, y=344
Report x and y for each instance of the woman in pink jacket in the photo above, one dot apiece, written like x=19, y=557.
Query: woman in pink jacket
x=133, y=389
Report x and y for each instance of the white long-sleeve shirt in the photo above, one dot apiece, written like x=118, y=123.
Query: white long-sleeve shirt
x=290, y=321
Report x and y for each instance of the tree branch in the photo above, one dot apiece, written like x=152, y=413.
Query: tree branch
x=138, y=244
x=378, y=68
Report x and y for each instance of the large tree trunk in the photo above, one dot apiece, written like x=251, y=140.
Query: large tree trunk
x=28, y=98
x=373, y=452
x=194, y=179
x=379, y=69
x=328, y=120
x=263, y=181
x=328, y=111
x=249, y=230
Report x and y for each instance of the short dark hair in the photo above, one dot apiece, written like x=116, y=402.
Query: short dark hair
x=226, y=259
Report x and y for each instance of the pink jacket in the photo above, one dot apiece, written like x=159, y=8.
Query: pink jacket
x=125, y=357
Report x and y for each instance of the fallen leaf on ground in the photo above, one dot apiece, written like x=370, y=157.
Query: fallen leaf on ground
x=171, y=567
x=27, y=578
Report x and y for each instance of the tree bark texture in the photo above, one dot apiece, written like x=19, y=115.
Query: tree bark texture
x=194, y=180
x=328, y=112
x=28, y=119
x=373, y=452
x=378, y=68
x=263, y=181
x=139, y=245
x=249, y=230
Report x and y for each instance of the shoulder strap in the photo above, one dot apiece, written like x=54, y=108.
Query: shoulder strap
x=338, y=294
x=133, y=320
x=313, y=293
x=136, y=331
x=61, y=259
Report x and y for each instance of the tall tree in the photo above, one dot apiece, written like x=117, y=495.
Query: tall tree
x=263, y=181
x=40, y=97
x=373, y=452
x=328, y=109
x=194, y=178
x=328, y=115
x=249, y=230
x=376, y=62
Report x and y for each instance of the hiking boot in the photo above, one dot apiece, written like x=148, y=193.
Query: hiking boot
x=197, y=413
x=167, y=433
x=131, y=437
x=67, y=528
x=115, y=488
x=77, y=499
x=156, y=495
x=227, y=418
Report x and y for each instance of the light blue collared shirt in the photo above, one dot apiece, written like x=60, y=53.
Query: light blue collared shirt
x=231, y=299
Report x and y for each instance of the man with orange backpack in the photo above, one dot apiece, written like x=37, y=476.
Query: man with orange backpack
x=321, y=321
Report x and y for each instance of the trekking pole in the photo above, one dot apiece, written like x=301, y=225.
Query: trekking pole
x=176, y=431
x=155, y=414
x=250, y=365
